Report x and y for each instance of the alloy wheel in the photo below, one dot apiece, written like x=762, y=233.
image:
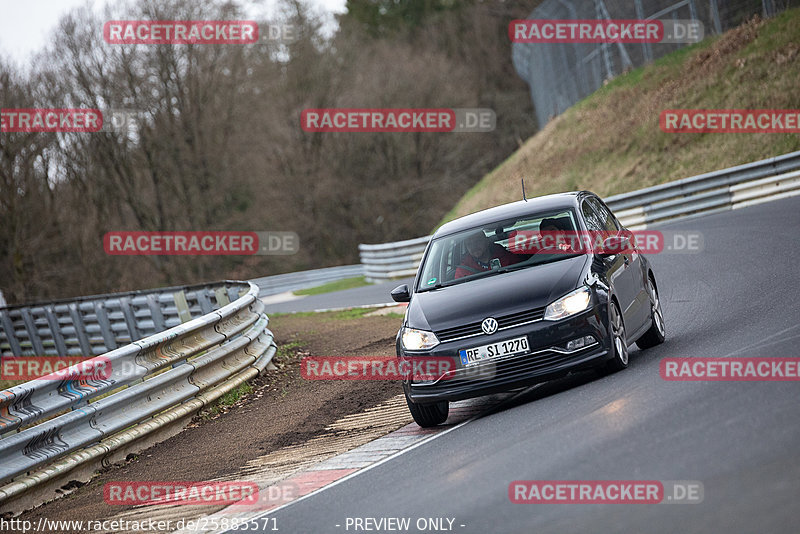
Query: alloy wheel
x=618, y=334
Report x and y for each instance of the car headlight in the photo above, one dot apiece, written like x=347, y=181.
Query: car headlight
x=414, y=339
x=569, y=304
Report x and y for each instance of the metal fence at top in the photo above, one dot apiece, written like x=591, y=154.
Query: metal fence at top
x=561, y=74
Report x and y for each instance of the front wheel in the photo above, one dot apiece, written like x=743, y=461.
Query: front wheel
x=618, y=344
x=656, y=334
x=428, y=415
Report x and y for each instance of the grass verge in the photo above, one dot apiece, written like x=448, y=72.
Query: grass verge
x=227, y=401
x=352, y=313
x=330, y=287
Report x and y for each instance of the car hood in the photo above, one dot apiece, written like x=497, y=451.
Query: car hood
x=495, y=295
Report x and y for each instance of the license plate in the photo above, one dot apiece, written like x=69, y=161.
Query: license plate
x=495, y=350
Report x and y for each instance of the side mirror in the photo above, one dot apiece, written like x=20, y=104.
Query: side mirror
x=615, y=245
x=401, y=294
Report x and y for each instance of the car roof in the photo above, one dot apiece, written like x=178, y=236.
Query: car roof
x=512, y=210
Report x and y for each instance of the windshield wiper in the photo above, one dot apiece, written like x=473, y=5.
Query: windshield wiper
x=544, y=260
x=514, y=267
x=439, y=285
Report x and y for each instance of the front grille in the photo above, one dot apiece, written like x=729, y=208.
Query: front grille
x=504, y=370
x=503, y=322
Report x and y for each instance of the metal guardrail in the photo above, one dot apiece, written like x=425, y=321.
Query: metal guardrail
x=735, y=187
x=88, y=326
x=280, y=283
x=731, y=188
x=154, y=381
x=392, y=260
x=174, y=350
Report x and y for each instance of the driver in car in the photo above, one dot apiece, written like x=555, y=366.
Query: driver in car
x=480, y=253
x=554, y=233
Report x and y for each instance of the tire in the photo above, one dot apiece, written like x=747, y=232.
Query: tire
x=616, y=329
x=428, y=415
x=656, y=334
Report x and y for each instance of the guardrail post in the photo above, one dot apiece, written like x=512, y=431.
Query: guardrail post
x=11, y=336
x=109, y=340
x=55, y=329
x=182, y=306
x=222, y=297
x=204, y=301
x=130, y=318
x=33, y=333
x=80, y=329
x=155, y=313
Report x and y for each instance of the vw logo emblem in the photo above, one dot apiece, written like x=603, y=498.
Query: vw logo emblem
x=489, y=325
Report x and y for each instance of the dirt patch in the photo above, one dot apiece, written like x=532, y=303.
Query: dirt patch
x=283, y=409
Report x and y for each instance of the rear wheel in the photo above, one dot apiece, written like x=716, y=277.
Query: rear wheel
x=428, y=415
x=618, y=345
x=656, y=333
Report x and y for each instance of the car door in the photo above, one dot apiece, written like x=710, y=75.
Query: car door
x=616, y=266
x=635, y=284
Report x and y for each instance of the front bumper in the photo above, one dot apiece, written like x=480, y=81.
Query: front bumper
x=547, y=358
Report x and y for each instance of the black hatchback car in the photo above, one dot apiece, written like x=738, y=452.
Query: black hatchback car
x=510, y=309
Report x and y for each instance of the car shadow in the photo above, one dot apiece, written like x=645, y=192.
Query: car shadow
x=638, y=359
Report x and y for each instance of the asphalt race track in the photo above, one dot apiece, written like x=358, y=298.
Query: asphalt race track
x=741, y=440
x=357, y=296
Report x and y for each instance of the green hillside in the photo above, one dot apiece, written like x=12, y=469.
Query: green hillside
x=611, y=141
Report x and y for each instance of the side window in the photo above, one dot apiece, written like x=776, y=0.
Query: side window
x=593, y=220
x=609, y=224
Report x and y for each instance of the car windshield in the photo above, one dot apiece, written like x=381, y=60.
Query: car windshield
x=494, y=248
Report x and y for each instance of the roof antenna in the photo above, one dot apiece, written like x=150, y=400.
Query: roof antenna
x=523, y=189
